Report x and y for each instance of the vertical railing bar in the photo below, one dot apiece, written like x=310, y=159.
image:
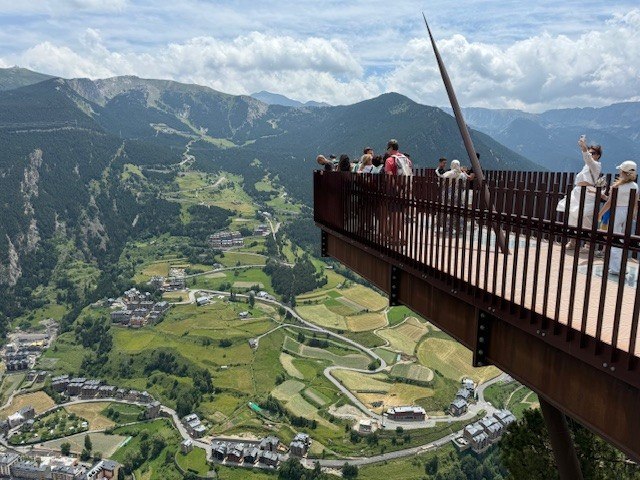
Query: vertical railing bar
x=576, y=253
x=481, y=225
x=528, y=206
x=622, y=278
x=451, y=199
x=605, y=270
x=472, y=242
x=464, y=274
x=563, y=242
x=516, y=248
x=497, y=220
x=539, y=194
x=460, y=224
x=552, y=235
x=589, y=274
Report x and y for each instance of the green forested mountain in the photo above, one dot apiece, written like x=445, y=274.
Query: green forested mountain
x=15, y=77
x=65, y=144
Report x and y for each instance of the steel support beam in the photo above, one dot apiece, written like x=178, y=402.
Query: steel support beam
x=323, y=243
x=563, y=449
x=394, y=284
x=483, y=334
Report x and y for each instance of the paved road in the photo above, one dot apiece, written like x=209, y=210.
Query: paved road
x=388, y=424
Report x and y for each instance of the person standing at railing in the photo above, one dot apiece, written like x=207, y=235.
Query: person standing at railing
x=624, y=185
x=325, y=164
x=442, y=167
x=366, y=164
x=345, y=164
x=454, y=180
x=587, y=177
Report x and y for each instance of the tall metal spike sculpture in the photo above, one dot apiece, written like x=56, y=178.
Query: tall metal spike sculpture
x=466, y=138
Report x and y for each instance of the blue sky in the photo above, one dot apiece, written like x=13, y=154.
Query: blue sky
x=500, y=54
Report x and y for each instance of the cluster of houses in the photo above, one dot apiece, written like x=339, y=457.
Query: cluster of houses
x=23, y=417
x=138, y=309
x=464, y=396
x=175, y=281
x=411, y=413
x=92, y=388
x=24, y=350
x=194, y=426
x=224, y=240
x=481, y=435
x=12, y=466
x=261, y=230
x=268, y=452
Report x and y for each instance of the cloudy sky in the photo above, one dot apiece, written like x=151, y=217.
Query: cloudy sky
x=532, y=55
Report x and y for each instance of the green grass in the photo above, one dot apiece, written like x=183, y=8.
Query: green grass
x=9, y=384
x=355, y=360
x=251, y=276
x=412, y=372
x=195, y=461
x=128, y=413
x=65, y=356
x=321, y=315
x=367, y=339
x=231, y=258
x=398, y=314
x=230, y=473
x=286, y=390
x=498, y=393
x=408, y=468
x=154, y=468
x=387, y=355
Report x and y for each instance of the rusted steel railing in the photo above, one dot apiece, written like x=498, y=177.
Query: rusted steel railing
x=443, y=230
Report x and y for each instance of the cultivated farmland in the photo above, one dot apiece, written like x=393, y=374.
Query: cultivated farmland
x=412, y=372
x=365, y=297
x=365, y=322
x=321, y=315
x=405, y=337
x=452, y=360
x=372, y=388
x=40, y=401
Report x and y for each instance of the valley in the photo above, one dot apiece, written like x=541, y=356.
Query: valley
x=326, y=357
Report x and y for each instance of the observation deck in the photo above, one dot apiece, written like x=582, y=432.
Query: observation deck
x=540, y=311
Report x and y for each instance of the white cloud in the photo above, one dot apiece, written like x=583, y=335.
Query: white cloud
x=547, y=70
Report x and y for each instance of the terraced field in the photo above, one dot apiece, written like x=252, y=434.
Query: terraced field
x=452, y=360
x=413, y=372
x=40, y=401
x=405, y=337
x=322, y=316
x=378, y=387
x=365, y=322
x=366, y=297
x=287, y=362
x=352, y=360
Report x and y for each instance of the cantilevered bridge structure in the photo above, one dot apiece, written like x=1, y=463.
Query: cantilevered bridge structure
x=493, y=271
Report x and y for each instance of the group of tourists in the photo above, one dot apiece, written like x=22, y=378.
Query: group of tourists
x=590, y=178
x=391, y=163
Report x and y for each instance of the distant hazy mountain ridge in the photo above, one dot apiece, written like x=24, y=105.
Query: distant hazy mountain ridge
x=277, y=99
x=550, y=138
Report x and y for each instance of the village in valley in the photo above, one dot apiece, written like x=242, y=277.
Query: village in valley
x=333, y=372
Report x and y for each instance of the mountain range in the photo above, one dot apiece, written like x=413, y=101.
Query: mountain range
x=66, y=143
x=277, y=99
x=550, y=138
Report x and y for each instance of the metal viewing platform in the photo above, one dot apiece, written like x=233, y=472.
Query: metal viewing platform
x=549, y=315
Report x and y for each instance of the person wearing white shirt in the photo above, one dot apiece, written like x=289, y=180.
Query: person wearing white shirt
x=625, y=184
x=585, y=178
